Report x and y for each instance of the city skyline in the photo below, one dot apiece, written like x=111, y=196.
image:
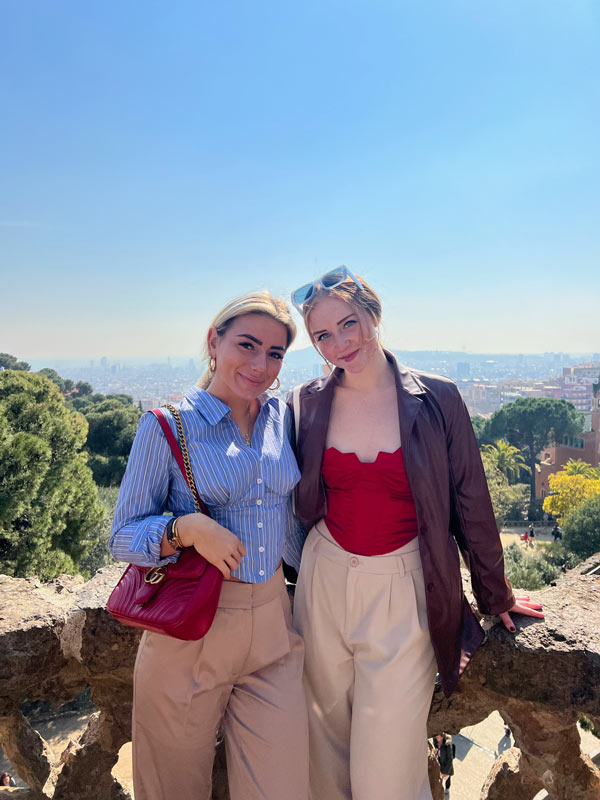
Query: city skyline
x=158, y=162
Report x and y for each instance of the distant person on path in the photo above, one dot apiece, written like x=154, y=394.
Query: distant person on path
x=531, y=536
x=556, y=532
x=246, y=673
x=526, y=538
x=446, y=751
x=390, y=465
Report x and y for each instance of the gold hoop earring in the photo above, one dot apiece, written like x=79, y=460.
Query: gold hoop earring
x=274, y=388
x=212, y=364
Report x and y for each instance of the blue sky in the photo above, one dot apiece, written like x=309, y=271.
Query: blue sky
x=157, y=159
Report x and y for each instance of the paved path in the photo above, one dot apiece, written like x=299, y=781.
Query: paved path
x=476, y=750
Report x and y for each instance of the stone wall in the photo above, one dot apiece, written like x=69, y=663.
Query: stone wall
x=56, y=639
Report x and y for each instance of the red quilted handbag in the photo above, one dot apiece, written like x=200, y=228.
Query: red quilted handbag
x=180, y=599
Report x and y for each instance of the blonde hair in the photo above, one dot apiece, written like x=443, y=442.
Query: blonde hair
x=361, y=297
x=261, y=302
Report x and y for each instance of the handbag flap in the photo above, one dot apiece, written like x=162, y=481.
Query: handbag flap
x=189, y=565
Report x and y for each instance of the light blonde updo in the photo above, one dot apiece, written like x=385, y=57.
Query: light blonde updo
x=261, y=302
x=363, y=298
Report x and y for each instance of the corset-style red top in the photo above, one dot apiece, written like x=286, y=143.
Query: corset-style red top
x=370, y=507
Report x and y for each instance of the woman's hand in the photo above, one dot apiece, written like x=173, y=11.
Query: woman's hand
x=217, y=544
x=523, y=605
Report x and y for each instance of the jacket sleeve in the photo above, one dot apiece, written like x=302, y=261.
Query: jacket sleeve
x=472, y=517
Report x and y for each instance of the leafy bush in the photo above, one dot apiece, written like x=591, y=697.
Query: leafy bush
x=528, y=572
x=587, y=725
x=581, y=529
x=557, y=554
x=509, y=502
x=98, y=554
x=517, y=497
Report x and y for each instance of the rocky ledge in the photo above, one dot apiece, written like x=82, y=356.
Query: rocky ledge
x=56, y=639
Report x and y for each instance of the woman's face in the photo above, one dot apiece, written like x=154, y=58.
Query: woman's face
x=345, y=335
x=248, y=356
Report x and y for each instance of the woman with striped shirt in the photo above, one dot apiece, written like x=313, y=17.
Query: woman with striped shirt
x=246, y=674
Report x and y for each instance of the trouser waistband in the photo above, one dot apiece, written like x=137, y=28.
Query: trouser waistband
x=236, y=594
x=405, y=559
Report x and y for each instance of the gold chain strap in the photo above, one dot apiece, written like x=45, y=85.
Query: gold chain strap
x=186, y=456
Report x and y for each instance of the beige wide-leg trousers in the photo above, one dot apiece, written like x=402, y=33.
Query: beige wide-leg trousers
x=246, y=676
x=369, y=671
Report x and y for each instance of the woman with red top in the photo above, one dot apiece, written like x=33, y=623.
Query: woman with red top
x=391, y=482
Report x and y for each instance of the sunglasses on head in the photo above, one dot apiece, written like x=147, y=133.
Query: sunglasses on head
x=328, y=281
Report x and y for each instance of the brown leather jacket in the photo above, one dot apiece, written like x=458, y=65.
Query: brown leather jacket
x=449, y=487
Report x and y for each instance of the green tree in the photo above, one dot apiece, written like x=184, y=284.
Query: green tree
x=83, y=388
x=112, y=421
x=478, y=422
x=53, y=376
x=66, y=386
x=508, y=501
x=508, y=459
x=532, y=423
x=98, y=554
x=48, y=499
x=11, y=362
x=581, y=529
x=576, y=466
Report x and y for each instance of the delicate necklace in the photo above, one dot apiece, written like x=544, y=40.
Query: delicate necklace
x=247, y=437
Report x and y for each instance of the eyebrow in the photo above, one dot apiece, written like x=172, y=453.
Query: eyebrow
x=258, y=341
x=316, y=333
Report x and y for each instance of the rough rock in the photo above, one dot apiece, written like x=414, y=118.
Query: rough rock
x=56, y=639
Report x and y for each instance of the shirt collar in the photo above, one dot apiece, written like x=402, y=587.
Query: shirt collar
x=212, y=409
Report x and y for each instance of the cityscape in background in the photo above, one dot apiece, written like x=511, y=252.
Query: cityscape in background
x=486, y=381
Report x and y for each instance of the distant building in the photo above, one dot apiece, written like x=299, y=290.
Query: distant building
x=577, y=384
x=586, y=447
x=463, y=370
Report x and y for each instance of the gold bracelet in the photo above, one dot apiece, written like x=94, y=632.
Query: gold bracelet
x=175, y=540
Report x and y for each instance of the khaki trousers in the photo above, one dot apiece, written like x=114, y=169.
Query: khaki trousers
x=369, y=671
x=246, y=676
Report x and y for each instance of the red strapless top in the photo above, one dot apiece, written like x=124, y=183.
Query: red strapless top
x=370, y=507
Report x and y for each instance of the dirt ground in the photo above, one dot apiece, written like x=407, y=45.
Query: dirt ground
x=513, y=535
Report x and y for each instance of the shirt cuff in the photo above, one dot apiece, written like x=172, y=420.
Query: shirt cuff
x=149, y=549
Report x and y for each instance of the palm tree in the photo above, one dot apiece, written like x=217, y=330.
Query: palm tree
x=507, y=458
x=576, y=466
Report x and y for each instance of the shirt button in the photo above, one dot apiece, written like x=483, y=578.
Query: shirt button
x=259, y=480
x=430, y=587
x=354, y=561
x=261, y=549
x=259, y=502
x=259, y=524
x=261, y=572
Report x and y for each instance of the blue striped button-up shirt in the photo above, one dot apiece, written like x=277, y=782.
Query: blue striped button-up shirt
x=247, y=489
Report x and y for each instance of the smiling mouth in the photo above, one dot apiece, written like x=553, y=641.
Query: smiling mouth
x=349, y=357
x=252, y=380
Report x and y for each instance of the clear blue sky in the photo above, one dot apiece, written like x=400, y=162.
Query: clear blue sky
x=158, y=158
